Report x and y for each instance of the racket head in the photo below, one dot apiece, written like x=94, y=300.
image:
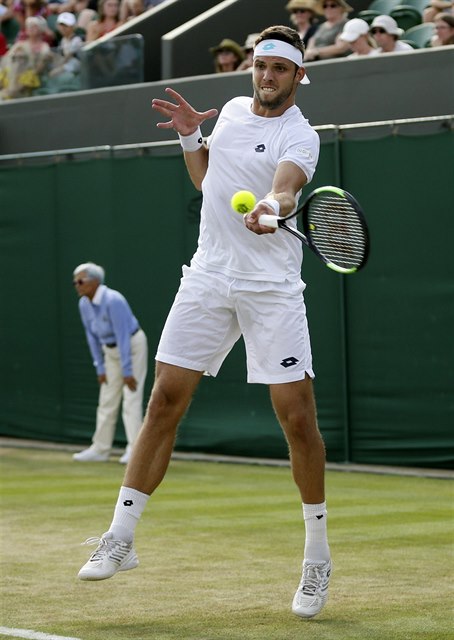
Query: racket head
x=336, y=229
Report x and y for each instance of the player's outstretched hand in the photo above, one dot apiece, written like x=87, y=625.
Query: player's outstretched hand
x=183, y=118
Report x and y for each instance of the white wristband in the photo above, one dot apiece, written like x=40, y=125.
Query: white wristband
x=192, y=142
x=273, y=204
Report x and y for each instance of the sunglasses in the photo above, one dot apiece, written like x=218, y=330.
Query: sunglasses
x=377, y=30
x=80, y=281
x=330, y=5
x=300, y=10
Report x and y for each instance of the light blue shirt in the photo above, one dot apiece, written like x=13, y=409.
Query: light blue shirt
x=108, y=319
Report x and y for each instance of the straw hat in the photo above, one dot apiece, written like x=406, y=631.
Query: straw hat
x=230, y=45
x=312, y=5
x=344, y=5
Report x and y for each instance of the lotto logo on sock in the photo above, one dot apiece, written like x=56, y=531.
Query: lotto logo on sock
x=128, y=503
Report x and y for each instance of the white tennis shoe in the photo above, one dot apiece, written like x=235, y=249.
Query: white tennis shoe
x=110, y=557
x=90, y=455
x=312, y=593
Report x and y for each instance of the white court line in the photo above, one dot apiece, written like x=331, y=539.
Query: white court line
x=31, y=635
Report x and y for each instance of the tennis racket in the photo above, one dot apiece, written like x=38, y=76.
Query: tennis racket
x=334, y=228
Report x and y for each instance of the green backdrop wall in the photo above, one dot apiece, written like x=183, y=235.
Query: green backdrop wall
x=382, y=339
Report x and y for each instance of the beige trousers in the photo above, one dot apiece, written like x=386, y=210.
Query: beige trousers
x=112, y=394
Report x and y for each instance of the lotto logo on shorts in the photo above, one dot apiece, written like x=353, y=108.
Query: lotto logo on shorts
x=289, y=362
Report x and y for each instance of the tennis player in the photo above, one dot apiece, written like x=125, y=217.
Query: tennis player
x=244, y=279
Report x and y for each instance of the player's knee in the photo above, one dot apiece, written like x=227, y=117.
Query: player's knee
x=165, y=403
x=301, y=431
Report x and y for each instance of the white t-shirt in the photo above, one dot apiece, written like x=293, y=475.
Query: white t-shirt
x=244, y=152
x=372, y=52
x=399, y=46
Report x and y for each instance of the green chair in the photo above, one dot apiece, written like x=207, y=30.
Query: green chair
x=406, y=16
x=10, y=28
x=377, y=8
x=412, y=44
x=420, y=35
x=419, y=5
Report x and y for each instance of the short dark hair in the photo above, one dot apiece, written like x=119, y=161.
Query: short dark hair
x=284, y=34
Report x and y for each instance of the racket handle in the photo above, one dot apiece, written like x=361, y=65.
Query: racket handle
x=269, y=220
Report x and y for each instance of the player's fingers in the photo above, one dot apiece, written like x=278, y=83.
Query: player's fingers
x=211, y=113
x=165, y=125
x=166, y=108
x=177, y=96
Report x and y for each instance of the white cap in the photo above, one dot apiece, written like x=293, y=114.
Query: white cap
x=69, y=19
x=353, y=29
x=388, y=24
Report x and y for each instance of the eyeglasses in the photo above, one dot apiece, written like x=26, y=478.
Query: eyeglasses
x=330, y=5
x=80, y=281
x=377, y=30
x=300, y=10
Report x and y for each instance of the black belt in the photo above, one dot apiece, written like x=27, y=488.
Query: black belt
x=111, y=345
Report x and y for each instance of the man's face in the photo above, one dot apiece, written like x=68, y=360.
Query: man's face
x=84, y=285
x=274, y=80
x=382, y=37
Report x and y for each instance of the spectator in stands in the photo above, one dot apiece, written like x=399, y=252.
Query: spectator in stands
x=5, y=15
x=3, y=45
x=68, y=63
x=6, y=12
x=131, y=9
x=325, y=43
x=108, y=20
x=228, y=55
x=304, y=17
x=85, y=12
x=435, y=7
x=356, y=34
x=119, y=350
x=23, y=9
x=27, y=62
x=248, y=52
x=444, y=29
x=386, y=34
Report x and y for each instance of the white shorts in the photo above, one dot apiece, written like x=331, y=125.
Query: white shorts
x=211, y=311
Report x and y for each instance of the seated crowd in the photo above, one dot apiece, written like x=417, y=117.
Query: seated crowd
x=40, y=40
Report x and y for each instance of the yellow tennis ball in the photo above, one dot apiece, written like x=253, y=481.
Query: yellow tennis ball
x=243, y=201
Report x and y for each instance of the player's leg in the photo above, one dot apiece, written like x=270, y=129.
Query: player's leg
x=199, y=332
x=294, y=405
x=132, y=408
x=273, y=320
x=170, y=397
x=295, y=408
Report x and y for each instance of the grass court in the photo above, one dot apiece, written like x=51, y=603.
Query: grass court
x=220, y=548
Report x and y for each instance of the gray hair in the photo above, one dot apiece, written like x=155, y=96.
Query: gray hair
x=93, y=271
x=39, y=21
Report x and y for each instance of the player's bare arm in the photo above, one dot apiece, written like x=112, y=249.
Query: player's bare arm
x=289, y=179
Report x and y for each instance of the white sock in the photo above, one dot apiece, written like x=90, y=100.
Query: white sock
x=129, y=508
x=316, y=548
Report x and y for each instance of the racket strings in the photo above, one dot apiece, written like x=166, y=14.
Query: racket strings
x=336, y=230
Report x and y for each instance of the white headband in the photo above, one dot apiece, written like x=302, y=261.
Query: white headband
x=281, y=50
